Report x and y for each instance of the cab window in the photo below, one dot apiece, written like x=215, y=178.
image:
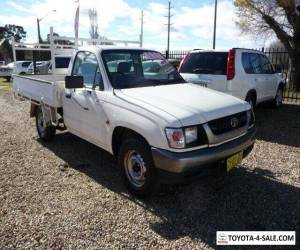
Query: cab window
x=86, y=65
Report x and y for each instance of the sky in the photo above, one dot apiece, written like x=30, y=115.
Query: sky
x=192, y=21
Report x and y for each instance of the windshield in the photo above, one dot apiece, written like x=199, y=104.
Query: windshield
x=212, y=63
x=139, y=68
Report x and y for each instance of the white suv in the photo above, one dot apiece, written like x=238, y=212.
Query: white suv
x=246, y=74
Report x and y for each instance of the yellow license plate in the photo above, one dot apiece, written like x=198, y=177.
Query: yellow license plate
x=234, y=161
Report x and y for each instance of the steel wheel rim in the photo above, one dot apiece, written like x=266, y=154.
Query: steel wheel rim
x=135, y=168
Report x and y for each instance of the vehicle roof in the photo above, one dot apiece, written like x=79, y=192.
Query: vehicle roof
x=224, y=50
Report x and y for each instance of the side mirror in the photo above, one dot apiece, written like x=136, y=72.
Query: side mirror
x=278, y=68
x=74, y=82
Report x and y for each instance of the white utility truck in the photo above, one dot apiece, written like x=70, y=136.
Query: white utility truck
x=161, y=129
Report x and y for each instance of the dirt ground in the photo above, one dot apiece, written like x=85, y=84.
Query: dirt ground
x=68, y=193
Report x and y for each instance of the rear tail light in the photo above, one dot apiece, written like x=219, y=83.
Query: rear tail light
x=183, y=61
x=231, y=64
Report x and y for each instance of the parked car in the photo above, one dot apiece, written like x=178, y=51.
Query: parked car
x=42, y=67
x=21, y=67
x=6, y=71
x=161, y=129
x=246, y=74
x=61, y=64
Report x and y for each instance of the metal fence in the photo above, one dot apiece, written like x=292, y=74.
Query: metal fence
x=278, y=56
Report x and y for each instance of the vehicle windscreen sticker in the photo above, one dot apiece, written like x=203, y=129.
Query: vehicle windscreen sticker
x=153, y=56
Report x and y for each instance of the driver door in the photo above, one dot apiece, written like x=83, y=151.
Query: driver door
x=84, y=113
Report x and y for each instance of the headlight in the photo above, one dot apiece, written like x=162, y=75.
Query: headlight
x=191, y=134
x=183, y=137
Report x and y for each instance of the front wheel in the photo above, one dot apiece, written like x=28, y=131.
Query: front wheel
x=278, y=100
x=138, y=171
x=46, y=133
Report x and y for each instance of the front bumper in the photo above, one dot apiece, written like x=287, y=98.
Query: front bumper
x=203, y=160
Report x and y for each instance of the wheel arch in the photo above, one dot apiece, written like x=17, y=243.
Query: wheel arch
x=281, y=85
x=253, y=93
x=33, y=109
x=120, y=133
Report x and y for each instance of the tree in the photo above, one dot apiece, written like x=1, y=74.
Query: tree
x=7, y=32
x=269, y=17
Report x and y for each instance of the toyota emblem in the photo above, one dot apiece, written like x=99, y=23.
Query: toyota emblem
x=234, y=122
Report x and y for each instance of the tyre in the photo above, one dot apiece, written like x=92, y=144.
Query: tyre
x=46, y=133
x=137, y=167
x=277, y=102
x=8, y=78
x=251, y=99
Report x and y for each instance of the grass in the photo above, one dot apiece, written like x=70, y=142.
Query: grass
x=4, y=85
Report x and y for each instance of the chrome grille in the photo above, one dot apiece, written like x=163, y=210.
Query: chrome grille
x=228, y=123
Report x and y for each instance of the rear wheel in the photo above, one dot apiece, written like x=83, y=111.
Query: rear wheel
x=135, y=160
x=277, y=102
x=46, y=133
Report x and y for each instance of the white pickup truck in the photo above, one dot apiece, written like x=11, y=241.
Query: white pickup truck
x=134, y=104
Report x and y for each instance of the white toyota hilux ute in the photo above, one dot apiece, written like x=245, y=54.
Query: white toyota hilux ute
x=133, y=103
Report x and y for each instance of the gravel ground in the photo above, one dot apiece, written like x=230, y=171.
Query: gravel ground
x=69, y=194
